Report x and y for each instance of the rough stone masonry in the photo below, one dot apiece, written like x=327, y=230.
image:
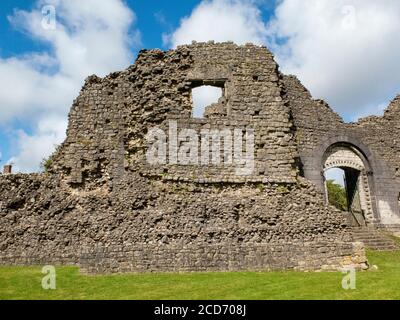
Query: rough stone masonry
x=102, y=206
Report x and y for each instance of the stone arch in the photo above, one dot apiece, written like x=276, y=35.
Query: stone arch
x=357, y=169
x=376, y=173
x=342, y=156
x=354, y=143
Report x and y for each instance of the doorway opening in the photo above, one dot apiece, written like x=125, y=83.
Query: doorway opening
x=346, y=183
x=336, y=188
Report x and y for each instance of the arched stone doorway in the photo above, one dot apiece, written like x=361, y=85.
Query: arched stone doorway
x=356, y=169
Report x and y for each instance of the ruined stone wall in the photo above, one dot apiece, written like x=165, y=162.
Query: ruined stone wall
x=225, y=257
x=111, y=117
x=377, y=138
x=152, y=225
x=382, y=135
x=103, y=205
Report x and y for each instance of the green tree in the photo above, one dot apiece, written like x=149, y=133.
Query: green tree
x=337, y=195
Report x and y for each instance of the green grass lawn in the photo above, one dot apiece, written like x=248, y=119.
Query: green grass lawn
x=384, y=283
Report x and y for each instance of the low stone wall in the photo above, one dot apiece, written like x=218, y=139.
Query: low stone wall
x=145, y=226
x=222, y=257
x=38, y=259
x=203, y=257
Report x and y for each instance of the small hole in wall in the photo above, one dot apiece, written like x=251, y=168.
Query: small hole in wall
x=203, y=97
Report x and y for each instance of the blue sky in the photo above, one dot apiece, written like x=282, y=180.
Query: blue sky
x=344, y=52
x=154, y=18
x=15, y=43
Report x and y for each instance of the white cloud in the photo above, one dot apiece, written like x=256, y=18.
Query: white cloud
x=220, y=20
x=90, y=37
x=33, y=149
x=203, y=97
x=344, y=51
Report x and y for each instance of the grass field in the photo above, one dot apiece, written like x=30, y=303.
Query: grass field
x=384, y=283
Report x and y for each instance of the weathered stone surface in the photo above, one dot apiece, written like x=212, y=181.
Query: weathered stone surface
x=377, y=140
x=46, y=221
x=103, y=206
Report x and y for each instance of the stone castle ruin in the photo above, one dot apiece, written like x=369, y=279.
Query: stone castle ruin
x=102, y=205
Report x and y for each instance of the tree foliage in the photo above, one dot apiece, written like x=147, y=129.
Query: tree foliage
x=337, y=195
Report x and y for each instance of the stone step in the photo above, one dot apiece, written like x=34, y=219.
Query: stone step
x=380, y=244
x=375, y=234
x=383, y=248
x=366, y=231
x=374, y=239
x=377, y=244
